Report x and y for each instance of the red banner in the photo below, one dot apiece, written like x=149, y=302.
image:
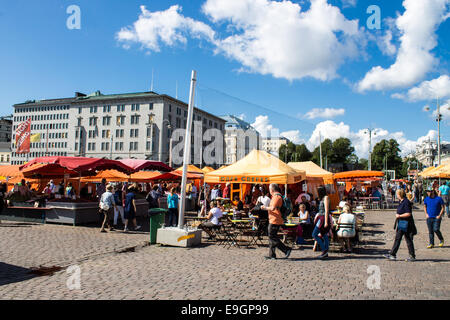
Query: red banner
x=23, y=135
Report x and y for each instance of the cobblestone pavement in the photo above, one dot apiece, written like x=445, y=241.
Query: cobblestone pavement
x=110, y=271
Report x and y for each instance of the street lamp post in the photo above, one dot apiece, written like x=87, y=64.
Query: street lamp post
x=370, y=132
x=438, y=120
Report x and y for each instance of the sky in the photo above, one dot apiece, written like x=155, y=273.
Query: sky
x=291, y=68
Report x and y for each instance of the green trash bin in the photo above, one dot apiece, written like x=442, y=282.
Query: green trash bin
x=157, y=218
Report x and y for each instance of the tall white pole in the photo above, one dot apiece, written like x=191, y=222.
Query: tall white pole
x=187, y=149
x=320, y=148
x=438, y=119
x=370, y=150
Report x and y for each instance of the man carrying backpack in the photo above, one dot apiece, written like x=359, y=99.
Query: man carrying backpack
x=276, y=220
x=152, y=198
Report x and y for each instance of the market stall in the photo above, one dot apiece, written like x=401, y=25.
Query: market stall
x=440, y=172
x=258, y=167
x=315, y=177
x=66, y=210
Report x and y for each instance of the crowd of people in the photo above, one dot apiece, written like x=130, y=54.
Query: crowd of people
x=271, y=203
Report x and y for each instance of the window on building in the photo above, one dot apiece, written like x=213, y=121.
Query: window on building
x=150, y=106
x=135, y=119
x=120, y=120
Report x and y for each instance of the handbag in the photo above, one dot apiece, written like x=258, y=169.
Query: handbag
x=104, y=206
x=402, y=225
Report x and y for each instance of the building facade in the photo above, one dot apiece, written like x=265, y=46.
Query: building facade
x=272, y=145
x=117, y=126
x=5, y=153
x=427, y=152
x=5, y=129
x=240, y=139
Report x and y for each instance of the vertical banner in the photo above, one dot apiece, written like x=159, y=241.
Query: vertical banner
x=23, y=135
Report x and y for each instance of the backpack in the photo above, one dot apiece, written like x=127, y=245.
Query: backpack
x=152, y=203
x=286, y=208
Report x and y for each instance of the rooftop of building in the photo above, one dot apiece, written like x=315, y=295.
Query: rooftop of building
x=238, y=122
x=276, y=138
x=97, y=96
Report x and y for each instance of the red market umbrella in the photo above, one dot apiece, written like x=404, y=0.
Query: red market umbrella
x=138, y=165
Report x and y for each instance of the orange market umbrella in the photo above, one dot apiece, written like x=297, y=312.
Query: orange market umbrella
x=358, y=175
x=10, y=171
x=144, y=176
x=109, y=175
x=191, y=169
x=208, y=169
x=176, y=175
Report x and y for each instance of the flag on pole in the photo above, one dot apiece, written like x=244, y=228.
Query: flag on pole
x=36, y=137
x=23, y=137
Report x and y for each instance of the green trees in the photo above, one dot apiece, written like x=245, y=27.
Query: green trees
x=386, y=155
x=341, y=151
x=327, y=147
x=295, y=153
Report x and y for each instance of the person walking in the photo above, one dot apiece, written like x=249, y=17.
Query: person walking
x=322, y=222
x=106, y=206
x=130, y=208
x=434, y=210
x=275, y=222
x=172, y=204
x=404, y=226
x=118, y=209
x=444, y=191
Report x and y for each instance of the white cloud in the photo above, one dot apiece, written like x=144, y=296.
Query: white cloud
x=360, y=139
x=386, y=45
x=428, y=90
x=167, y=27
x=278, y=38
x=262, y=125
x=349, y=3
x=414, y=59
x=293, y=135
x=444, y=110
x=242, y=116
x=324, y=113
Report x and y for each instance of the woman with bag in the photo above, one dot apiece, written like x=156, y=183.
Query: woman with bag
x=106, y=205
x=322, y=222
x=404, y=226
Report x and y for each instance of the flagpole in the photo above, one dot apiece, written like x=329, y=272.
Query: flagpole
x=187, y=149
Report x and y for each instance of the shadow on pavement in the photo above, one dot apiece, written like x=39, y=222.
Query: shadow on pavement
x=11, y=274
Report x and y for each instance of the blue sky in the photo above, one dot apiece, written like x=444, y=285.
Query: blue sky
x=235, y=51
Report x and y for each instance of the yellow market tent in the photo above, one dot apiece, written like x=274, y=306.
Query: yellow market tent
x=311, y=169
x=442, y=171
x=258, y=167
x=315, y=177
x=426, y=171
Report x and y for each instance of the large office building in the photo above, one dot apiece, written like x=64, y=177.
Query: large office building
x=272, y=144
x=240, y=139
x=116, y=126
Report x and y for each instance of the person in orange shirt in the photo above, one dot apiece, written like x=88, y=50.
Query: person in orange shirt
x=275, y=222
